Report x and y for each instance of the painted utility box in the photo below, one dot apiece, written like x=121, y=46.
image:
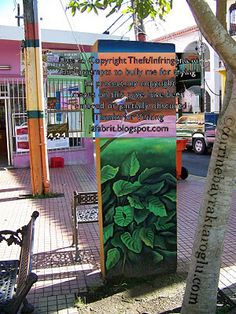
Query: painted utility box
x=134, y=125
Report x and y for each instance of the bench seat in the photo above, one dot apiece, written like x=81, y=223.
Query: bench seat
x=8, y=275
x=16, y=276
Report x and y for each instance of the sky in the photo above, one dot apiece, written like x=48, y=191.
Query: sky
x=54, y=16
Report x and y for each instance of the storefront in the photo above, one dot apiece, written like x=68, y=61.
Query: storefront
x=12, y=115
x=67, y=86
x=65, y=120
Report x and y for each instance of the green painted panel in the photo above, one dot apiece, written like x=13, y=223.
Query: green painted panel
x=139, y=206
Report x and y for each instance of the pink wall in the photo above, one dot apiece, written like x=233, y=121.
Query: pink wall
x=73, y=157
x=10, y=54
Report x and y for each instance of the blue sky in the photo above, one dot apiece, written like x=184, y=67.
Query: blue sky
x=54, y=17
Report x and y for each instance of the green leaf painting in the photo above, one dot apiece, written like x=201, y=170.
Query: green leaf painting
x=132, y=242
x=106, y=193
x=123, y=187
x=139, y=205
x=168, y=203
x=124, y=215
x=130, y=165
x=171, y=195
x=109, y=216
x=156, y=206
x=147, y=236
x=142, y=191
x=108, y=172
x=156, y=188
x=157, y=257
x=113, y=256
x=141, y=215
x=116, y=242
x=135, y=202
x=169, y=178
x=108, y=232
x=170, y=217
x=147, y=173
x=164, y=227
x=160, y=242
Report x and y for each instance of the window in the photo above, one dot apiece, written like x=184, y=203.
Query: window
x=63, y=109
x=232, y=19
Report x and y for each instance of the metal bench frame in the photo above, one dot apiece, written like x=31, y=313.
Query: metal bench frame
x=81, y=199
x=16, y=277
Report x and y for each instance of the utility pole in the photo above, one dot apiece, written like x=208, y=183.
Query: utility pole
x=18, y=16
x=34, y=100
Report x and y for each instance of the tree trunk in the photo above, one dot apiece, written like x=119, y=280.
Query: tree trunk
x=221, y=9
x=214, y=32
x=202, y=282
x=203, y=277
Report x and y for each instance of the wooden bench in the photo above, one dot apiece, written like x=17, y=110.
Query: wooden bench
x=83, y=212
x=16, y=277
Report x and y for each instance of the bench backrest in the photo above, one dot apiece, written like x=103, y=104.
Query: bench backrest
x=81, y=198
x=85, y=198
x=26, y=251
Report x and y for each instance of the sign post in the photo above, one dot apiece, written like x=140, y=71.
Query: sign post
x=34, y=100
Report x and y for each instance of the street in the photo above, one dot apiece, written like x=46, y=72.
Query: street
x=196, y=164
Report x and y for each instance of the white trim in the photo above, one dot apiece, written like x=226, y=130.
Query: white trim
x=56, y=36
x=5, y=67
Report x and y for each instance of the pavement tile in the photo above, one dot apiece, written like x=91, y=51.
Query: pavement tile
x=60, y=276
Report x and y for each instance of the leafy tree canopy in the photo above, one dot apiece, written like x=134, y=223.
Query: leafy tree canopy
x=141, y=8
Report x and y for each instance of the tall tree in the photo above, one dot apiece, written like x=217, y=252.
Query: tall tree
x=203, y=277
x=140, y=9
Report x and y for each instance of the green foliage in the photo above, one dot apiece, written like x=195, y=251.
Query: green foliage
x=108, y=172
x=135, y=202
x=124, y=216
x=157, y=257
x=156, y=206
x=171, y=195
x=116, y=242
x=133, y=243
x=123, y=187
x=113, y=256
x=108, y=232
x=147, y=236
x=141, y=215
x=130, y=166
x=142, y=8
x=106, y=193
x=109, y=215
x=139, y=210
x=157, y=187
x=148, y=173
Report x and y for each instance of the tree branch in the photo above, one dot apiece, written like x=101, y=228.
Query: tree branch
x=214, y=32
x=221, y=7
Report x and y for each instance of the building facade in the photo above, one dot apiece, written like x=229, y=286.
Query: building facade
x=67, y=87
x=189, y=41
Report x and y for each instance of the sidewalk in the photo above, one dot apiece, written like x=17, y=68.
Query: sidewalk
x=60, y=277
x=190, y=193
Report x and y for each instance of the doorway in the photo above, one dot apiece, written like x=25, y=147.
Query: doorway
x=4, y=134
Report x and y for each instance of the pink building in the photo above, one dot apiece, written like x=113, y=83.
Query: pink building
x=66, y=132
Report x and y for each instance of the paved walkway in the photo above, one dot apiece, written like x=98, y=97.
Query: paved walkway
x=60, y=277
x=190, y=193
